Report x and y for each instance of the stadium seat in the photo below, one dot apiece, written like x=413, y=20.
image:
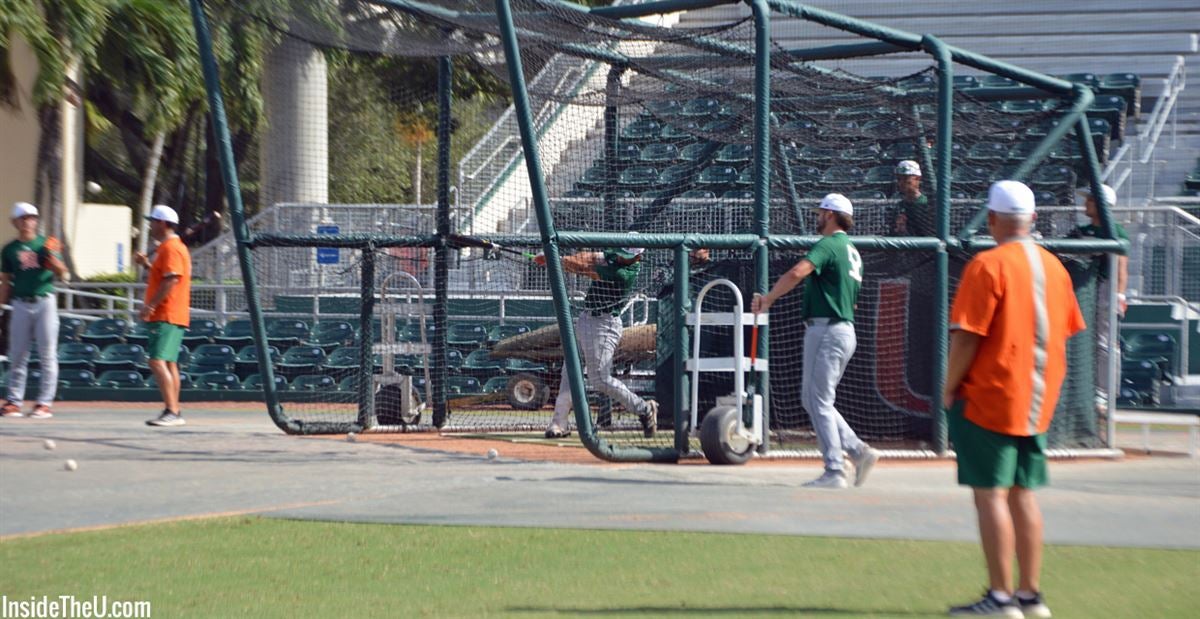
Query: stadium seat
x=803, y=175
x=839, y=128
x=77, y=356
x=105, y=331
x=246, y=361
x=734, y=154
x=899, y=151
x=637, y=178
x=329, y=334
x=1087, y=79
x=1160, y=348
x=696, y=153
x=76, y=377
x=988, y=152
x=880, y=177
x=287, y=332
x=212, y=358
x=680, y=131
x=201, y=332
x=412, y=332
x=966, y=81
x=496, y=384
x=641, y=130
x=701, y=106
x=861, y=154
x=236, y=333
x=727, y=126
x=626, y=154
x=1026, y=106
x=659, y=153
x=594, y=178
x=1144, y=376
x=840, y=177
x=1021, y=151
x=801, y=127
x=698, y=194
x=663, y=109
x=139, y=333
x=314, y=382
x=523, y=365
x=69, y=328
x=120, y=357
x=676, y=176
x=348, y=384
x=997, y=81
x=342, y=362
x=466, y=335
x=818, y=155
x=718, y=175
x=500, y=332
x=578, y=193
x=454, y=359
x=922, y=82
x=254, y=382
x=971, y=176
x=1128, y=86
x=463, y=385
x=222, y=381
x=738, y=194
x=1053, y=177
x=479, y=362
x=1113, y=109
x=883, y=129
x=121, y=379
x=866, y=194
x=301, y=360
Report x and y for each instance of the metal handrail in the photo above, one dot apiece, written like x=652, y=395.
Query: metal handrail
x=1172, y=85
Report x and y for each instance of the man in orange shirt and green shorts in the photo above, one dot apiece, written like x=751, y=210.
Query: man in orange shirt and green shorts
x=167, y=308
x=1012, y=315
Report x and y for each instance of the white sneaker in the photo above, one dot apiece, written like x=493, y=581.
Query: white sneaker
x=863, y=463
x=649, y=419
x=167, y=419
x=1033, y=607
x=829, y=479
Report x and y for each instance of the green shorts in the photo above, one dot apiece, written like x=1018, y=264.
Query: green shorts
x=989, y=459
x=165, y=340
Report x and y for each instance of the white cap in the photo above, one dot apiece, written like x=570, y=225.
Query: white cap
x=22, y=209
x=837, y=203
x=908, y=168
x=1012, y=197
x=164, y=213
x=633, y=252
x=1109, y=194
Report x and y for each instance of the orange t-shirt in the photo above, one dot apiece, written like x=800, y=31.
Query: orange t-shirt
x=172, y=257
x=1019, y=297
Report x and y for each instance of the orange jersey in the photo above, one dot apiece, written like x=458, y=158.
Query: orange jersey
x=172, y=257
x=1019, y=298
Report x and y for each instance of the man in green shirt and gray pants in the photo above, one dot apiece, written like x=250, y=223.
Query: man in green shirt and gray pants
x=829, y=341
x=28, y=266
x=598, y=331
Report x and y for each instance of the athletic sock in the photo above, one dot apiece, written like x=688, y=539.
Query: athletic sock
x=1001, y=596
x=1022, y=594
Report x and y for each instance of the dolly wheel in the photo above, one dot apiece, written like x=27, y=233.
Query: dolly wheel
x=719, y=438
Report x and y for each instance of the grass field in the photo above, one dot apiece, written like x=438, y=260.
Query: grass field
x=257, y=567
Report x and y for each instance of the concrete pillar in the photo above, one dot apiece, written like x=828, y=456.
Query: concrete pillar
x=295, y=146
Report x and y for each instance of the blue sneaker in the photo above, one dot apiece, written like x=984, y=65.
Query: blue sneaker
x=988, y=606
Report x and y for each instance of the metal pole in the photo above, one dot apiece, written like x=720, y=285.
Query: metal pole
x=941, y=307
x=679, y=341
x=441, y=253
x=762, y=189
x=366, y=358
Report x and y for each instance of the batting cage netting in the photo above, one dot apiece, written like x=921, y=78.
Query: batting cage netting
x=396, y=252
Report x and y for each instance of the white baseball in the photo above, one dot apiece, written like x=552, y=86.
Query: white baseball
x=93, y=187
x=70, y=465
x=49, y=445
x=351, y=438
x=492, y=454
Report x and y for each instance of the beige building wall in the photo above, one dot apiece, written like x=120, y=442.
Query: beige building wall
x=19, y=138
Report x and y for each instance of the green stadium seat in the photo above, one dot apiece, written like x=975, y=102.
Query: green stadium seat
x=523, y=365
x=1130, y=397
x=966, y=81
x=467, y=335
x=501, y=332
x=1053, y=177
x=658, y=152
x=638, y=177
x=69, y=329
x=882, y=129
x=899, y=151
x=988, y=152
x=862, y=154
x=496, y=384
x=594, y=178
x=663, y=109
x=720, y=175
x=76, y=377
x=702, y=106
x=677, y=176
x=1087, y=79
x=254, y=382
x=818, y=154
x=301, y=360
x=805, y=174
x=1158, y=347
x=212, y=358
x=696, y=153
x=201, y=332
x=730, y=109
x=1021, y=151
x=734, y=154
x=120, y=357
x=838, y=177
x=866, y=194
x=746, y=178
x=329, y=334
x=997, y=81
x=463, y=385
x=723, y=126
x=139, y=333
x=923, y=82
x=105, y=331
x=120, y=379
x=412, y=332
x=1144, y=376
x=1113, y=109
x=314, y=382
x=217, y=381
x=246, y=362
x=236, y=333
x=802, y=126
x=641, y=130
x=883, y=176
x=738, y=194
x=970, y=175
x=480, y=362
x=680, y=131
x=698, y=194
x=287, y=332
x=77, y=356
x=627, y=154
x=1027, y=106
x=1128, y=86
x=837, y=128
x=578, y=193
x=348, y=384
x=342, y=362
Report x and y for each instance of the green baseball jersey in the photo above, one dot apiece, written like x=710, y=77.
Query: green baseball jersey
x=918, y=215
x=22, y=261
x=608, y=294
x=1093, y=231
x=832, y=289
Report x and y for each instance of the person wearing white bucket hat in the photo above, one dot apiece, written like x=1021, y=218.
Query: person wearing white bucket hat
x=598, y=329
x=830, y=298
x=28, y=266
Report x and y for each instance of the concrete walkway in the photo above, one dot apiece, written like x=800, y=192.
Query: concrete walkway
x=237, y=462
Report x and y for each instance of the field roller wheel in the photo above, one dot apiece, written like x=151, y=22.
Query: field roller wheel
x=719, y=438
x=527, y=392
x=389, y=411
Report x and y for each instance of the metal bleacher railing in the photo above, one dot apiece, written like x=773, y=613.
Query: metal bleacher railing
x=1137, y=151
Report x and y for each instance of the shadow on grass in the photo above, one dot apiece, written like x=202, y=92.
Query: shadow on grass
x=794, y=611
